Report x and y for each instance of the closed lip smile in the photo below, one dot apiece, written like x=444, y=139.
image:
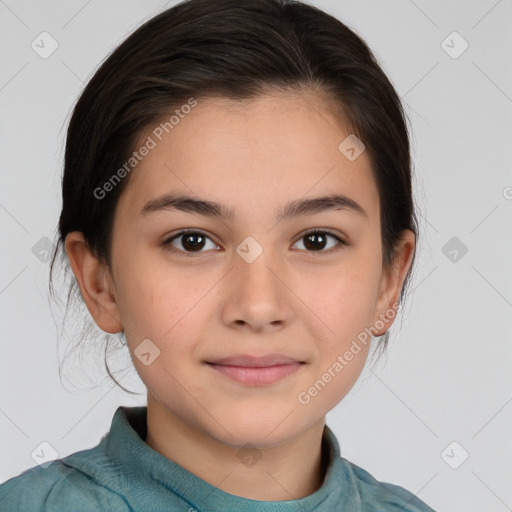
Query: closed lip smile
x=256, y=370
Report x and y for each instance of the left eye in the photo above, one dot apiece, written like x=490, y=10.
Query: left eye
x=194, y=241
x=318, y=240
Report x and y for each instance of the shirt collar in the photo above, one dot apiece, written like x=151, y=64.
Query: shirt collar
x=138, y=463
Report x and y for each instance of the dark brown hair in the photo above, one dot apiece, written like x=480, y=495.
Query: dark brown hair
x=234, y=49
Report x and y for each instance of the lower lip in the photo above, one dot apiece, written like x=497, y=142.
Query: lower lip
x=256, y=376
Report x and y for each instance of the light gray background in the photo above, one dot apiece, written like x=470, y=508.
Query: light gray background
x=447, y=373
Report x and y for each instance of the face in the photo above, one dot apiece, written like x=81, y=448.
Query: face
x=249, y=283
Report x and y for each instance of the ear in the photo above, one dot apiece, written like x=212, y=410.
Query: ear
x=392, y=281
x=96, y=284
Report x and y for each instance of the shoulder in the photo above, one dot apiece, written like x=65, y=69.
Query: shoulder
x=377, y=496
x=80, y=482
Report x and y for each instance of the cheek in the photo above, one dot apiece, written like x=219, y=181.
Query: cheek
x=169, y=309
x=151, y=296
x=159, y=309
x=165, y=312
x=352, y=302
x=345, y=311
x=342, y=299
x=344, y=302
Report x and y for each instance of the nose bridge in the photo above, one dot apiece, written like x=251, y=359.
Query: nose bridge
x=256, y=295
x=255, y=266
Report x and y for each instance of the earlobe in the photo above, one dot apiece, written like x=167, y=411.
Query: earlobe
x=95, y=283
x=392, y=282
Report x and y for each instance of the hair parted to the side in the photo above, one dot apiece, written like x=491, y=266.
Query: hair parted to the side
x=237, y=50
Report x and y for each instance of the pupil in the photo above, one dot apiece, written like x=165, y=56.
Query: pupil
x=194, y=245
x=310, y=241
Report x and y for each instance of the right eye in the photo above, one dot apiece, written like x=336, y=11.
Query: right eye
x=191, y=241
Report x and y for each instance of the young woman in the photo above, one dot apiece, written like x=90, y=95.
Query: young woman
x=237, y=205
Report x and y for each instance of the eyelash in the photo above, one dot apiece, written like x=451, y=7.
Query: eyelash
x=167, y=243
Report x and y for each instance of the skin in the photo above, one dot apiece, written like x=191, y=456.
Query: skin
x=311, y=305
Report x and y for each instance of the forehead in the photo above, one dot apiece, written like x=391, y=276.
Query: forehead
x=265, y=150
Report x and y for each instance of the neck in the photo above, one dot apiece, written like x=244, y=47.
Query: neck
x=290, y=471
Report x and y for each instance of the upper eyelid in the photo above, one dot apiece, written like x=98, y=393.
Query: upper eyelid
x=186, y=232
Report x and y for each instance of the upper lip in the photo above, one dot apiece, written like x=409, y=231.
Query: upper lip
x=249, y=361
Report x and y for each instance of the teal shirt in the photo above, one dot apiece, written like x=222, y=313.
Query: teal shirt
x=122, y=473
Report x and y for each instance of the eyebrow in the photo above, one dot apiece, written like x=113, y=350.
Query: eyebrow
x=291, y=209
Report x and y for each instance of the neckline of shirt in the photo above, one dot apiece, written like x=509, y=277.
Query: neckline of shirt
x=128, y=452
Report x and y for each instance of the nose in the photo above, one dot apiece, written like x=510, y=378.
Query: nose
x=255, y=295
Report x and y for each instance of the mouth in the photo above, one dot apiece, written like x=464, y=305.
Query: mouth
x=256, y=370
